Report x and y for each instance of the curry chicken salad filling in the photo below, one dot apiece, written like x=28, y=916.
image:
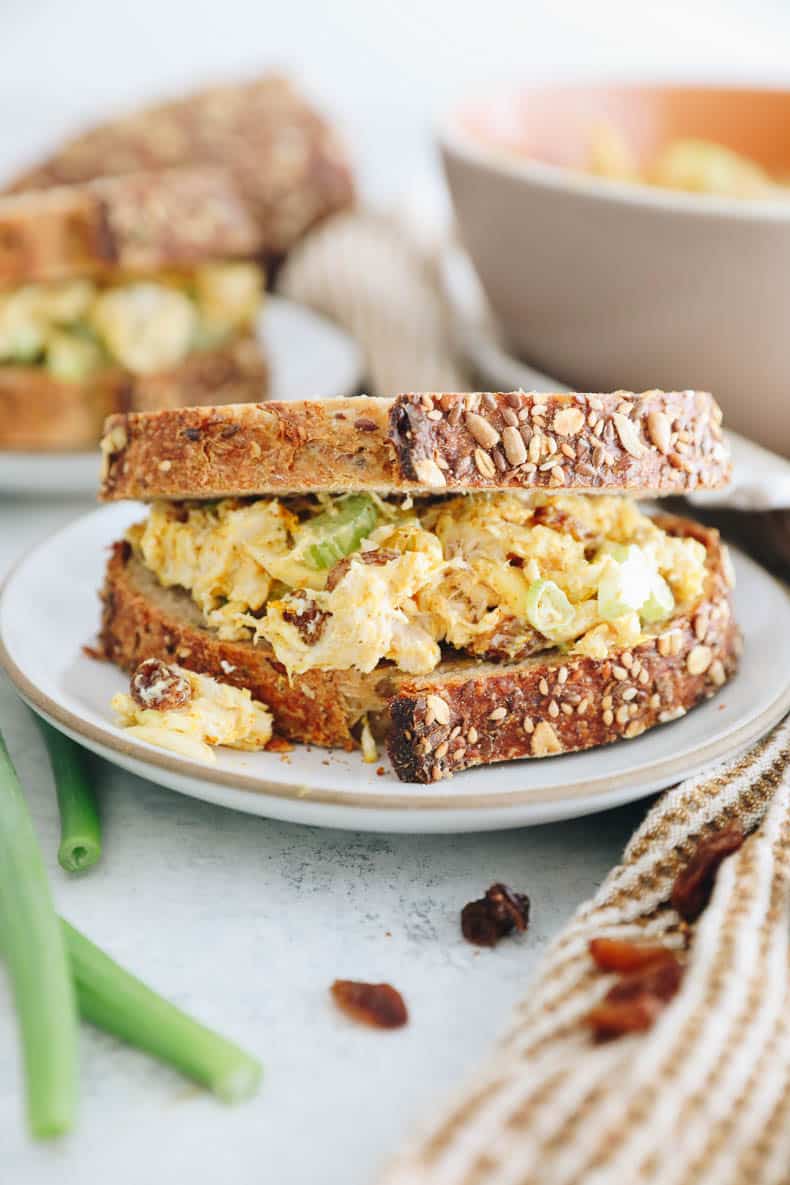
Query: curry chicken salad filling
x=342, y=582
x=74, y=328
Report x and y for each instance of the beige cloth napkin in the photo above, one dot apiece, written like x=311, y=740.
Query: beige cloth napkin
x=704, y=1097
x=364, y=271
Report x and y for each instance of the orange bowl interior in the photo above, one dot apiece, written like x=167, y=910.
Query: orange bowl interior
x=553, y=124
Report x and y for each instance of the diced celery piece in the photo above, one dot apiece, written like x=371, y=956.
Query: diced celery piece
x=24, y=344
x=21, y=326
x=209, y=336
x=71, y=357
x=66, y=302
x=548, y=609
x=618, y=551
x=336, y=532
x=660, y=603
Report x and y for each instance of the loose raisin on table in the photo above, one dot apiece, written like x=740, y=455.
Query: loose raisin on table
x=693, y=886
x=501, y=911
x=377, y=1004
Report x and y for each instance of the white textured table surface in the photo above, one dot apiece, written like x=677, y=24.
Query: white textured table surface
x=246, y=923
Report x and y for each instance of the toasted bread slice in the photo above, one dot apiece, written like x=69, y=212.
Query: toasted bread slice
x=140, y=223
x=39, y=412
x=465, y=713
x=286, y=159
x=657, y=442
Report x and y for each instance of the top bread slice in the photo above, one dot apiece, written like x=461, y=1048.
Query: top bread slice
x=654, y=443
x=140, y=223
x=286, y=160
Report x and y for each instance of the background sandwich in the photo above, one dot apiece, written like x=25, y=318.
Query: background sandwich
x=125, y=294
x=467, y=610
x=286, y=160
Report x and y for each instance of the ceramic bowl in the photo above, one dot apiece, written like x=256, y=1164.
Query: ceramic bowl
x=609, y=284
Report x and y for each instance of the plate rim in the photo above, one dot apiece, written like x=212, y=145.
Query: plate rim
x=665, y=770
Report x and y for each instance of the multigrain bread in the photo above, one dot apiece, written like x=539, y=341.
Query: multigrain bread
x=662, y=442
x=139, y=223
x=465, y=713
x=140, y=231
x=286, y=159
x=39, y=412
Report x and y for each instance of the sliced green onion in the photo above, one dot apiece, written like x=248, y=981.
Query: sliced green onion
x=335, y=533
x=33, y=947
x=548, y=610
x=113, y=999
x=80, y=830
x=660, y=603
x=618, y=551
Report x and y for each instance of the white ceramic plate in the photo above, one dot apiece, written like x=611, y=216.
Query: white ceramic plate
x=761, y=479
x=309, y=357
x=48, y=610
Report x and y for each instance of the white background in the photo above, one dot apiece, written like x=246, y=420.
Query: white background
x=386, y=67
x=243, y=921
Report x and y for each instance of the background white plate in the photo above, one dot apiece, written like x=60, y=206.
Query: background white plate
x=309, y=356
x=48, y=610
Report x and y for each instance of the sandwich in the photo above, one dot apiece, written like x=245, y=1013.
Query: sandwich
x=122, y=295
x=466, y=579
x=286, y=160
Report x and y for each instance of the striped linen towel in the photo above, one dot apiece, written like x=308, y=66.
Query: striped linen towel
x=703, y=1098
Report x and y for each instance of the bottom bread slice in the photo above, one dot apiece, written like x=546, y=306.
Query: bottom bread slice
x=465, y=713
x=39, y=412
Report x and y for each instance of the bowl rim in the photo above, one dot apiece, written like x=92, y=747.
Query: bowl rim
x=454, y=141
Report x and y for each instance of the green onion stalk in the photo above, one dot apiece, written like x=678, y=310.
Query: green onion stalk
x=50, y=962
x=32, y=942
x=113, y=999
x=80, y=828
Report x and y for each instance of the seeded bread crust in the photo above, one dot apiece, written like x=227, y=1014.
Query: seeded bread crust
x=286, y=160
x=39, y=413
x=667, y=442
x=463, y=714
x=652, y=443
x=140, y=223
